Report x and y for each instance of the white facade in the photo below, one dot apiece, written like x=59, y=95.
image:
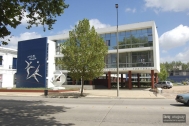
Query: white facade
x=130, y=27
x=7, y=69
x=50, y=62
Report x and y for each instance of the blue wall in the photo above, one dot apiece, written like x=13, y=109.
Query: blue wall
x=178, y=78
x=31, y=63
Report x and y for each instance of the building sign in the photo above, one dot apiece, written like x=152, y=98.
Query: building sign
x=35, y=73
x=129, y=69
x=31, y=63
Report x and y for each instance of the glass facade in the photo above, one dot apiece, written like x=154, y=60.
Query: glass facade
x=129, y=39
x=58, y=49
x=130, y=59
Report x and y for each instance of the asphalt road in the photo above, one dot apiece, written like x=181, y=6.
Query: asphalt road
x=39, y=111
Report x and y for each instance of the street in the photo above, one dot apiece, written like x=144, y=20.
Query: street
x=40, y=111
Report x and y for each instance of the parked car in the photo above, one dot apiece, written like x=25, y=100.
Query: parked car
x=183, y=98
x=164, y=84
x=171, y=83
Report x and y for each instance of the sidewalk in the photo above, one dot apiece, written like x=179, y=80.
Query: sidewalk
x=103, y=93
x=132, y=94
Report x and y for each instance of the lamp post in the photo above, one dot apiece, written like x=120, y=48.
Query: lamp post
x=116, y=5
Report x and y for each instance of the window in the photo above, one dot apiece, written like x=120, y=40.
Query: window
x=163, y=82
x=139, y=31
x=133, y=32
x=149, y=30
x=108, y=42
x=150, y=39
x=113, y=34
x=121, y=33
x=1, y=60
x=14, y=63
x=108, y=35
x=144, y=30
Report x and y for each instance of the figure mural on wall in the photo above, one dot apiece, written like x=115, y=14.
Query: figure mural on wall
x=32, y=58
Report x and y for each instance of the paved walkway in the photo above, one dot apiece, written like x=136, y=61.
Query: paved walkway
x=103, y=93
x=123, y=94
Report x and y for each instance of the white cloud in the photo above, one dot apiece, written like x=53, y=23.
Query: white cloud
x=23, y=36
x=166, y=59
x=180, y=56
x=25, y=19
x=130, y=10
x=93, y=22
x=175, y=37
x=168, y=5
x=97, y=24
x=164, y=51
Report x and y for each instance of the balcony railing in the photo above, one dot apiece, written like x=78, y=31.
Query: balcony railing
x=127, y=65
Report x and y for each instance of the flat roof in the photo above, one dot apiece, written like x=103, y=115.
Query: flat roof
x=126, y=27
x=8, y=50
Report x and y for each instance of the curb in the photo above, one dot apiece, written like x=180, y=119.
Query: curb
x=100, y=97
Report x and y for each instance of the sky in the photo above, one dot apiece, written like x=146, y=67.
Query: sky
x=171, y=18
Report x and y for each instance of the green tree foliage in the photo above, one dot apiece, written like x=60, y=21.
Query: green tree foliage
x=163, y=73
x=175, y=65
x=38, y=12
x=84, y=53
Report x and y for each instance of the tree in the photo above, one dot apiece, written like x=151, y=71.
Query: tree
x=163, y=73
x=84, y=53
x=38, y=12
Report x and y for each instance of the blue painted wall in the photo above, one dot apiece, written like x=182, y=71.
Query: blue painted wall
x=178, y=79
x=31, y=63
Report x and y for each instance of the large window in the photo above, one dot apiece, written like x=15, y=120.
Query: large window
x=130, y=59
x=129, y=39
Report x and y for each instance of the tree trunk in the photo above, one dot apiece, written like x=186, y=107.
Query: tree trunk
x=82, y=85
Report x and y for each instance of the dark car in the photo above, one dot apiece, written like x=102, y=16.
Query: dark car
x=183, y=98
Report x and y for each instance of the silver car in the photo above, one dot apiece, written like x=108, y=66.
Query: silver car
x=183, y=98
x=164, y=84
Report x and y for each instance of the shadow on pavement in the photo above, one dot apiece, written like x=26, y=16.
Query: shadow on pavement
x=29, y=113
x=66, y=95
x=179, y=105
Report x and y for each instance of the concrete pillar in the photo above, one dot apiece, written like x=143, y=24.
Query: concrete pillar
x=156, y=78
x=109, y=80
x=130, y=83
x=152, y=79
x=138, y=80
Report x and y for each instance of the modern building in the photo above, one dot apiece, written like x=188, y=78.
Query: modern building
x=138, y=55
x=8, y=65
x=178, y=75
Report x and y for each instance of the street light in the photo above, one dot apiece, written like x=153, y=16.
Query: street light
x=116, y=5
